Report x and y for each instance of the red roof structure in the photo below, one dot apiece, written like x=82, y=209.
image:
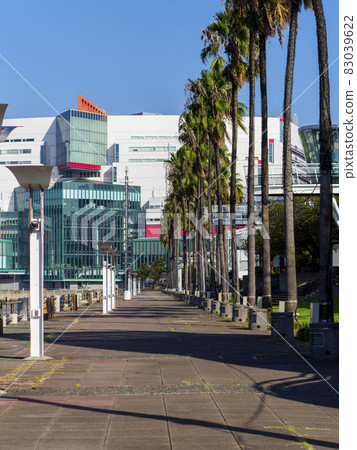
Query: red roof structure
x=86, y=105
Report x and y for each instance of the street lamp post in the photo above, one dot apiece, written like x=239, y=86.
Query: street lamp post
x=114, y=253
x=105, y=248
x=35, y=178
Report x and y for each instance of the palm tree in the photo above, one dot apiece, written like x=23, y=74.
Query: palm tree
x=272, y=18
x=179, y=178
x=171, y=208
x=228, y=33
x=326, y=146
x=215, y=94
x=192, y=130
x=252, y=20
x=291, y=302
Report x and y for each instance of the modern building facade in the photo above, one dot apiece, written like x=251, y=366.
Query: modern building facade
x=78, y=214
x=90, y=151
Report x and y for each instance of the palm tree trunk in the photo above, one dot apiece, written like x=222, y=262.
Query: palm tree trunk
x=210, y=224
x=199, y=238
x=233, y=197
x=205, y=268
x=291, y=302
x=190, y=287
x=169, y=258
x=326, y=145
x=177, y=255
x=251, y=211
x=184, y=246
x=220, y=235
x=265, y=174
x=194, y=256
x=205, y=265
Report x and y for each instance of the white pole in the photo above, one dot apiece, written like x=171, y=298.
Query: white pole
x=105, y=288
x=109, y=287
x=113, y=287
x=130, y=285
x=134, y=286
x=179, y=280
x=139, y=286
x=36, y=281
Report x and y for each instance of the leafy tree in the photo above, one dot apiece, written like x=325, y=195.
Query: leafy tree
x=307, y=231
x=144, y=271
x=157, y=268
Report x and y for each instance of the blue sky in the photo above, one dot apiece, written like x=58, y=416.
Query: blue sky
x=136, y=56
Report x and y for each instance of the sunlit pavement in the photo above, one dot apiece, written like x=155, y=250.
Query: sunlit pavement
x=157, y=373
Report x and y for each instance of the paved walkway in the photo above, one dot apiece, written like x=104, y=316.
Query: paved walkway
x=160, y=374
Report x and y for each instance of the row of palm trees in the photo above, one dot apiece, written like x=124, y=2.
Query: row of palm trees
x=203, y=174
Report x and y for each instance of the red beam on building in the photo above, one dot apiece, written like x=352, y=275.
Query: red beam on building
x=86, y=105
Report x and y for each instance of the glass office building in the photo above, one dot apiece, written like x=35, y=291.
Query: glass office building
x=78, y=215
x=9, y=241
x=310, y=135
x=81, y=141
x=147, y=250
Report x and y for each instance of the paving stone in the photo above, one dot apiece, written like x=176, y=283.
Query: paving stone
x=159, y=374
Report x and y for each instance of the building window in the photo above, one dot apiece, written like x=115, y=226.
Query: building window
x=271, y=150
x=116, y=156
x=42, y=154
x=115, y=174
x=281, y=129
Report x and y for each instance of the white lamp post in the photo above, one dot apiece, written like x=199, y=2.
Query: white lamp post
x=35, y=177
x=105, y=247
x=134, y=284
x=113, y=253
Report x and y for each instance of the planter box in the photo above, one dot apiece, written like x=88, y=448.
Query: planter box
x=239, y=313
x=216, y=307
x=324, y=340
x=226, y=310
x=282, y=325
x=200, y=302
x=258, y=319
x=207, y=305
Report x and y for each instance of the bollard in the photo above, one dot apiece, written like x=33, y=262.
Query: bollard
x=75, y=302
x=45, y=315
x=216, y=307
x=207, y=304
x=324, y=340
x=281, y=306
x=52, y=300
x=57, y=303
x=90, y=298
x=226, y=310
x=258, y=319
x=240, y=313
x=23, y=309
x=13, y=318
x=200, y=302
x=282, y=325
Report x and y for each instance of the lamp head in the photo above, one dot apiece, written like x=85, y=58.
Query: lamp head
x=35, y=177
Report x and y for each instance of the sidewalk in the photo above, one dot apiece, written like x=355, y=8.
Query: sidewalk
x=160, y=374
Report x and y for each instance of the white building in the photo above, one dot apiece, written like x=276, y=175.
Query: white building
x=141, y=142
